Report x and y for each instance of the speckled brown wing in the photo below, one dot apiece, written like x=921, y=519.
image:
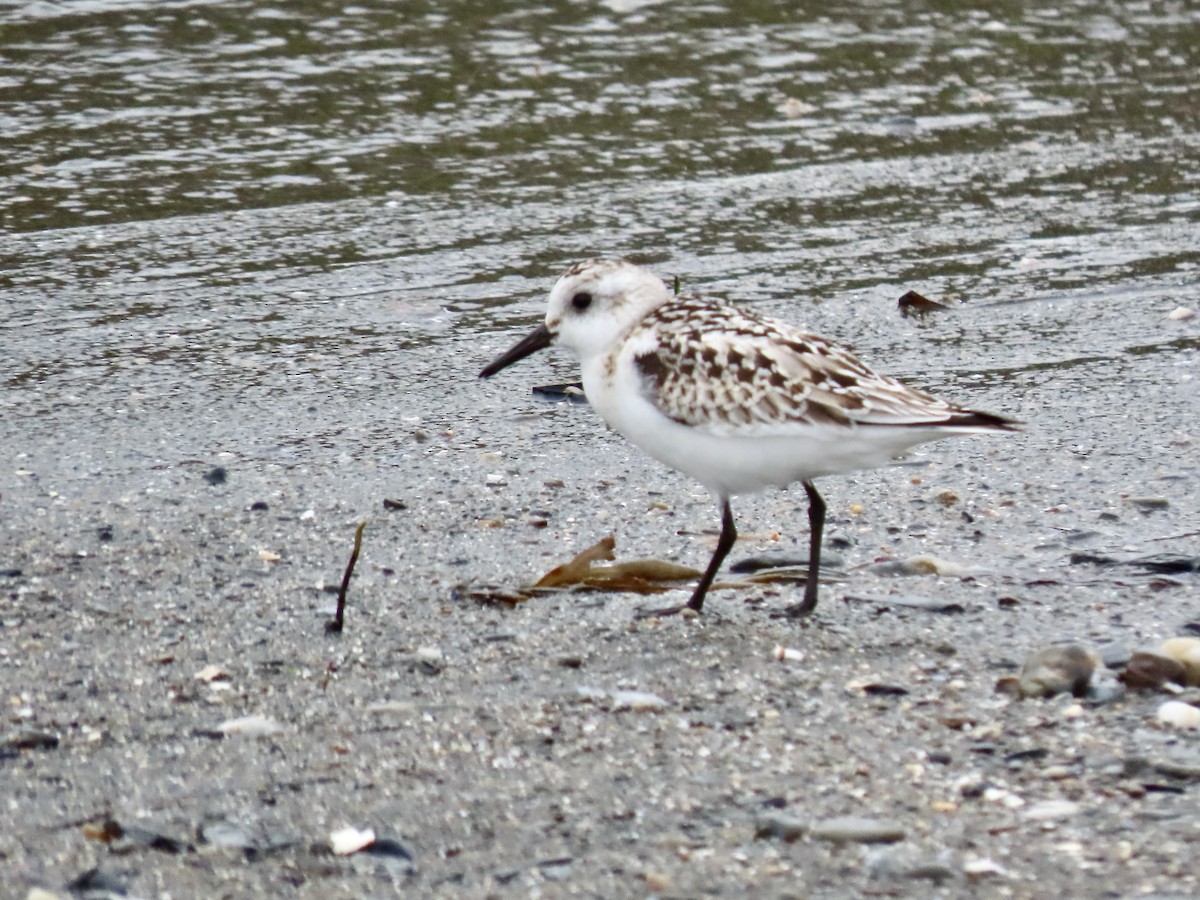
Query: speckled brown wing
x=724, y=369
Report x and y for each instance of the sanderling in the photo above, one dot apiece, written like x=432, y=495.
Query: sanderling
x=736, y=400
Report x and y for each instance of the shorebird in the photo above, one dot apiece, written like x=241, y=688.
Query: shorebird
x=738, y=401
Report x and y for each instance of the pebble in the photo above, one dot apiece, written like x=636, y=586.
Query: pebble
x=250, y=726
x=385, y=856
x=97, y=884
x=211, y=673
x=1073, y=711
x=913, y=863
x=1148, y=670
x=132, y=837
x=1150, y=503
x=1181, y=764
x=32, y=740
x=858, y=830
x=1009, y=686
x=787, y=654
x=556, y=869
x=349, y=840
x=978, y=867
x=1115, y=654
x=657, y=882
x=1104, y=687
x=909, y=601
x=838, y=539
x=1049, y=810
x=1188, y=695
x=228, y=836
x=918, y=565
x=775, y=824
x=1186, y=652
x=1003, y=796
x=1181, y=314
x=427, y=661
x=1057, y=670
x=392, y=707
x=912, y=303
x=638, y=701
x=1177, y=714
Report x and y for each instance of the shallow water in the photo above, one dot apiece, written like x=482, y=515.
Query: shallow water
x=180, y=172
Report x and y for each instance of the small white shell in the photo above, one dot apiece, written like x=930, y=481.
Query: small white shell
x=211, y=673
x=250, y=726
x=1178, y=714
x=1049, y=810
x=349, y=840
x=977, y=867
x=638, y=701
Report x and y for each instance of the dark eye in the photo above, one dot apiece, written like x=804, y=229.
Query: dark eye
x=581, y=301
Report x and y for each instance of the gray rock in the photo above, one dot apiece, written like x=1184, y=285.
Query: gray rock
x=1115, y=654
x=776, y=824
x=556, y=869
x=909, y=601
x=1058, y=670
x=1150, y=503
x=915, y=863
x=1104, y=687
x=1184, y=763
x=858, y=830
x=783, y=559
x=228, y=836
x=388, y=856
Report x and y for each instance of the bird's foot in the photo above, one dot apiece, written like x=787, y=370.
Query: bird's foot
x=799, y=610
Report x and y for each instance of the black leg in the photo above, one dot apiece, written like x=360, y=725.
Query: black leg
x=816, y=526
x=724, y=545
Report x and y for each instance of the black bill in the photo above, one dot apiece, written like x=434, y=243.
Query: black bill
x=533, y=342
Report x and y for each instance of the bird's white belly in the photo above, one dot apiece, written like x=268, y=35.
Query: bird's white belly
x=736, y=461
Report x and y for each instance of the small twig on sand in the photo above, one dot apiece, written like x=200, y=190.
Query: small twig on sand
x=334, y=625
x=1174, y=537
